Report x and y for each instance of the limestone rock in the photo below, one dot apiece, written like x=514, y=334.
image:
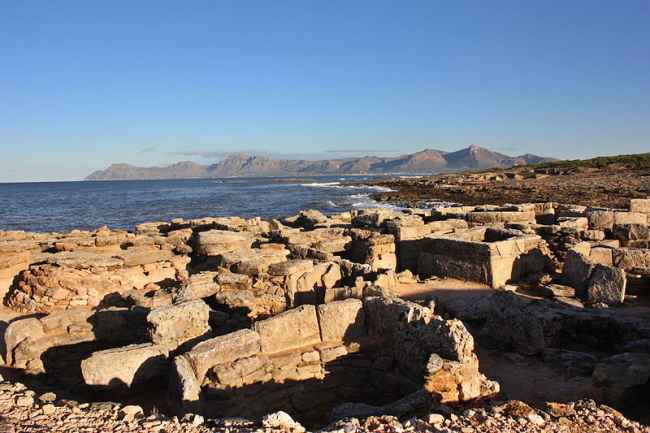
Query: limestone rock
x=291, y=267
x=222, y=349
x=281, y=421
x=20, y=330
x=215, y=242
x=289, y=330
x=200, y=286
x=125, y=366
x=176, y=324
x=607, y=285
x=342, y=320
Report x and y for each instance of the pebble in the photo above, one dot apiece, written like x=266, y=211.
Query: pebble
x=48, y=397
x=435, y=419
x=129, y=413
x=49, y=409
x=536, y=419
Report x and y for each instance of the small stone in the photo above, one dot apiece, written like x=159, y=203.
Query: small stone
x=435, y=419
x=281, y=420
x=48, y=397
x=536, y=419
x=198, y=420
x=129, y=413
x=49, y=409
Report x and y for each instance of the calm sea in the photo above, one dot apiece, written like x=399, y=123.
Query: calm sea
x=62, y=206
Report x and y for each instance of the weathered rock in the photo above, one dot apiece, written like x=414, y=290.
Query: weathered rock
x=577, y=269
x=558, y=290
x=607, y=285
x=185, y=385
x=289, y=330
x=291, y=267
x=125, y=366
x=281, y=421
x=342, y=320
x=225, y=348
x=215, y=242
x=176, y=324
x=200, y=286
x=18, y=331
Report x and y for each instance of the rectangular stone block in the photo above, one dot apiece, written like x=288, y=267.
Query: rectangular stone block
x=600, y=255
x=178, y=323
x=125, y=366
x=289, y=330
x=225, y=348
x=342, y=320
x=640, y=205
x=630, y=218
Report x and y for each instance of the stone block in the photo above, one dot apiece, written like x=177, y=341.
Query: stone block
x=342, y=320
x=289, y=330
x=640, y=205
x=216, y=242
x=631, y=232
x=607, y=285
x=577, y=269
x=125, y=366
x=20, y=330
x=222, y=349
x=600, y=219
x=186, y=386
x=291, y=267
x=176, y=324
x=630, y=218
x=601, y=255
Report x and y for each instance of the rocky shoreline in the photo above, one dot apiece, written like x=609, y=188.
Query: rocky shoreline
x=369, y=320
x=609, y=187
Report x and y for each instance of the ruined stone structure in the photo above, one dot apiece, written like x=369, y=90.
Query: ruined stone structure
x=304, y=314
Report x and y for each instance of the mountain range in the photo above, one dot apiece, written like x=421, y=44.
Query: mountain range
x=239, y=164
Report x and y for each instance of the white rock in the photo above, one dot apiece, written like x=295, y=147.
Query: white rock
x=198, y=420
x=49, y=409
x=129, y=413
x=281, y=420
x=435, y=419
x=536, y=419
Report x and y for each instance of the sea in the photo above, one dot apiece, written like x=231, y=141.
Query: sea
x=63, y=206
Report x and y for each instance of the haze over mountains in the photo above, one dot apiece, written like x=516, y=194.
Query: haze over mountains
x=235, y=165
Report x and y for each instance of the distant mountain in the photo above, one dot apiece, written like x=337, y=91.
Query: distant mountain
x=426, y=161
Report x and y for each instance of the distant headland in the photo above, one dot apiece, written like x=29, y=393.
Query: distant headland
x=239, y=164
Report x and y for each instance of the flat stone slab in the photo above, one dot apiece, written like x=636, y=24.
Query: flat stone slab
x=125, y=366
x=222, y=349
x=289, y=330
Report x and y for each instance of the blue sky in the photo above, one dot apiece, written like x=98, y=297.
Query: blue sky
x=84, y=84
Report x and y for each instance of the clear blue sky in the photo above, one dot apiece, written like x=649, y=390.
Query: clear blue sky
x=84, y=84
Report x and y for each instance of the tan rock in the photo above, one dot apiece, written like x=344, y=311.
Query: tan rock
x=222, y=349
x=125, y=366
x=289, y=330
x=342, y=320
x=176, y=324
